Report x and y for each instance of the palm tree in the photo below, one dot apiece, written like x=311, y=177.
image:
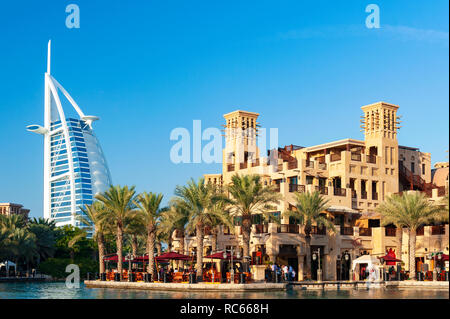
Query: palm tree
x=411, y=210
x=119, y=209
x=135, y=230
x=45, y=237
x=177, y=218
x=198, y=199
x=150, y=211
x=308, y=210
x=249, y=196
x=94, y=222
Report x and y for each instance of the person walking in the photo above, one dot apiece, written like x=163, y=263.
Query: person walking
x=285, y=272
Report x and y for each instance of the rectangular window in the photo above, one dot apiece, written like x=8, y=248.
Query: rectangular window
x=412, y=167
x=423, y=169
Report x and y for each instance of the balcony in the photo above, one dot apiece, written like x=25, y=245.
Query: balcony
x=347, y=231
x=365, y=231
x=323, y=190
x=309, y=164
x=371, y=159
x=243, y=165
x=390, y=231
x=261, y=229
x=322, y=166
x=438, y=230
x=296, y=188
x=230, y=167
x=340, y=192
x=374, y=196
x=256, y=163
x=292, y=165
x=280, y=167
x=335, y=157
x=277, y=188
x=363, y=195
x=318, y=230
x=288, y=228
x=355, y=157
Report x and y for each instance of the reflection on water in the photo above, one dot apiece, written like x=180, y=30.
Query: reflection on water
x=59, y=291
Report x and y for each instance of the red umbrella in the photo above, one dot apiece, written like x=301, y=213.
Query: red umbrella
x=390, y=261
x=172, y=256
x=113, y=258
x=444, y=257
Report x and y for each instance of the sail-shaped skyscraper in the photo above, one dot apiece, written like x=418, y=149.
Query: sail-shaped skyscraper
x=75, y=168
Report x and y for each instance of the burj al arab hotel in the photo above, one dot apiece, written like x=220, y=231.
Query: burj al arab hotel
x=75, y=168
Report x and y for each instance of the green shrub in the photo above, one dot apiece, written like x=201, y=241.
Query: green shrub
x=56, y=267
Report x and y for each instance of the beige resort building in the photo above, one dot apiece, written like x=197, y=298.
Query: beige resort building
x=13, y=209
x=354, y=175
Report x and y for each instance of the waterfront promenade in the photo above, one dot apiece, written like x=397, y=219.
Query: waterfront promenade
x=302, y=285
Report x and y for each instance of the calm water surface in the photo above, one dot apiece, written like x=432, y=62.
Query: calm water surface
x=59, y=291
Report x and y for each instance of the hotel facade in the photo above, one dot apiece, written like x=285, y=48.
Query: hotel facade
x=355, y=176
x=75, y=168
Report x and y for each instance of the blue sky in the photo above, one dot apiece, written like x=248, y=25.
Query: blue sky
x=147, y=67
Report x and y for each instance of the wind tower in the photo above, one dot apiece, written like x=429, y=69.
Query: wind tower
x=380, y=125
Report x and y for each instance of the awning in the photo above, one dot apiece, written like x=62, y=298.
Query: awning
x=444, y=257
x=366, y=259
x=172, y=256
x=342, y=209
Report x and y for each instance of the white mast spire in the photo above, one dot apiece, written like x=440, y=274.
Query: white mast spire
x=48, y=55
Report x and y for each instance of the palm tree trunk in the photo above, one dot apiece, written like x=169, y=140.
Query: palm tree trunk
x=214, y=240
x=412, y=254
x=158, y=248
x=182, y=242
x=134, y=245
x=101, y=252
x=199, y=266
x=308, y=256
x=399, y=242
x=119, y=240
x=246, y=230
x=150, y=252
x=169, y=243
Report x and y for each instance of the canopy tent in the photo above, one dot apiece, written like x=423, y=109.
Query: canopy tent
x=113, y=258
x=219, y=255
x=366, y=259
x=8, y=264
x=172, y=256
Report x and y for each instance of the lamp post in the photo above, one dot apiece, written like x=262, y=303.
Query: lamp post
x=129, y=258
x=346, y=258
x=238, y=255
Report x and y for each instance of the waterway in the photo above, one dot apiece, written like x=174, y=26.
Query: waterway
x=58, y=290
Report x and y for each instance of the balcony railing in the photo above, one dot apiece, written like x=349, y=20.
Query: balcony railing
x=309, y=164
x=371, y=159
x=288, y=228
x=256, y=163
x=365, y=231
x=420, y=231
x=292, y=165
x=243, y=165
x=230, y=167
x=390, y=231
x=316, y=230
x=340, y=192
x=323, y=190
x=262, y=228
x=363, y=195
x=280, y=167
x=438, y=230
x=296, y=188
x=355, y=157
x=277, y=188
x=374, y=196
x=347, y=231
x=322, y=166
x=335, y=157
